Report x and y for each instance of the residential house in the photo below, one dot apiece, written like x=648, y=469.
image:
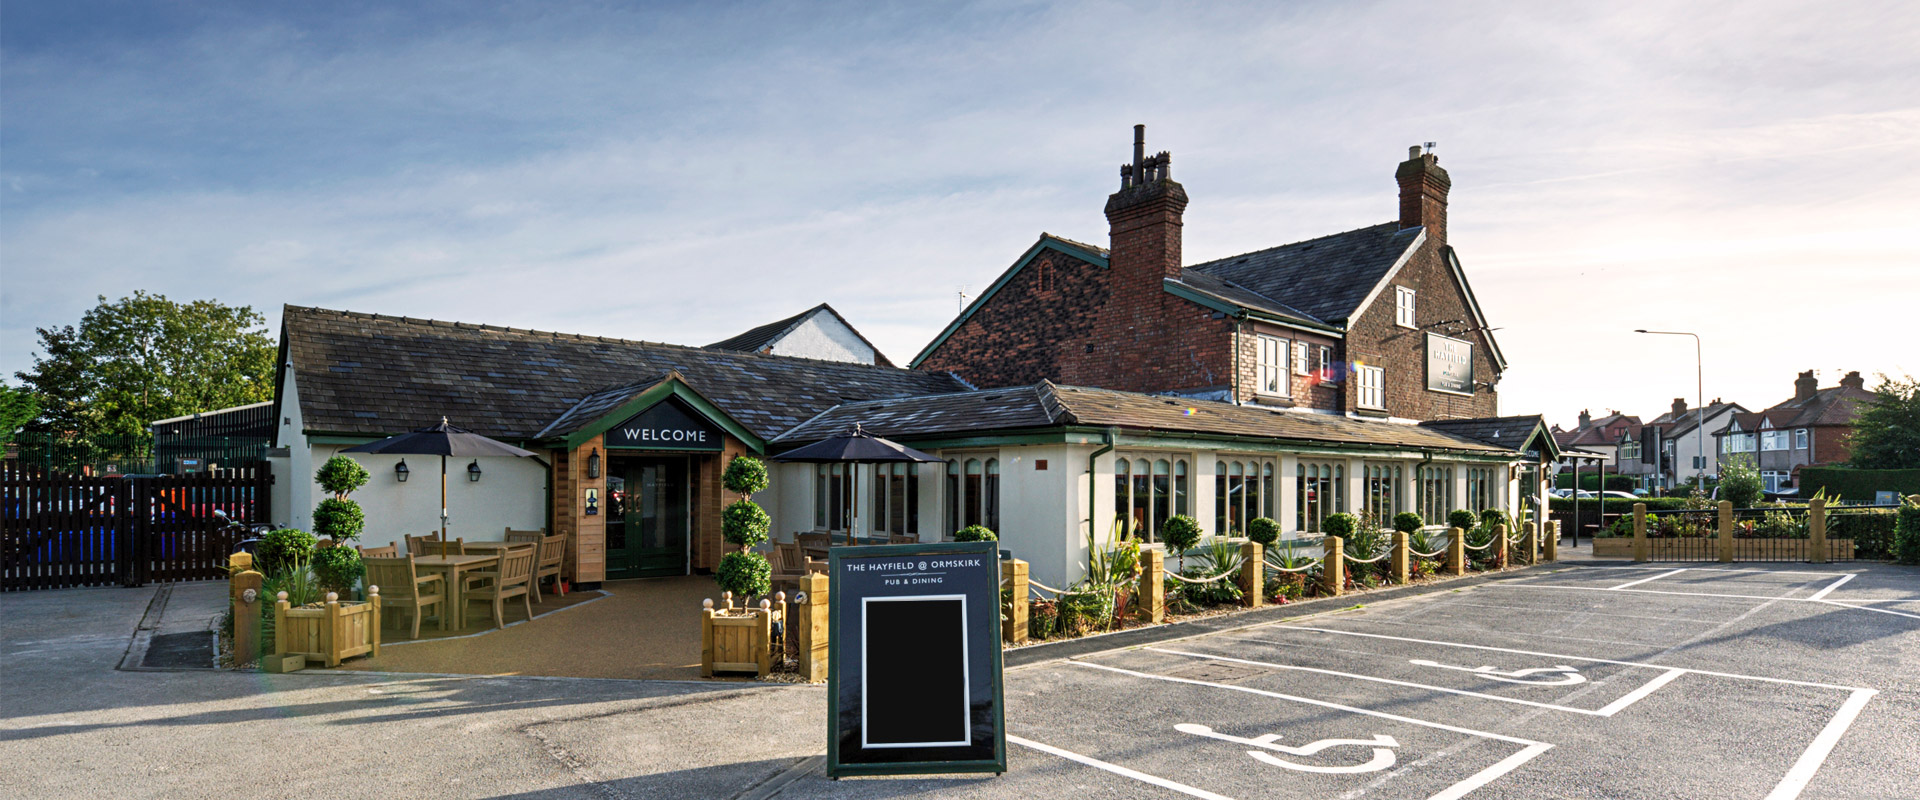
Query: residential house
x=1810, y=429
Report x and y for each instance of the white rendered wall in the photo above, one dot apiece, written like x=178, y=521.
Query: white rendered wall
x=822, y=336
x=511, y=493
x=293, y=497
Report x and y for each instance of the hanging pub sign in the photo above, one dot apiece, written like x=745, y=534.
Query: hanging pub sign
x=1449, y=364
x=914, y=662
x=668, y=425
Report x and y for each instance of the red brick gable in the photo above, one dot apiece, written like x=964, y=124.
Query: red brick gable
x=1373, y=339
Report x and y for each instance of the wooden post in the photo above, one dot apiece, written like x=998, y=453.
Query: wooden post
x=763, y=637
x=706, y=638
x=1402, y=557
x=812, y=626
x=244, y=588
x=786, y=627
x=1817, y=530
x=239, y=562
x=1504, y=554
x=373, y=598
x=1456, y=551
x=1726, y=531
x=1153, y=585
x=1333, y=572
x=1553, y=540
x=1013, y=616
x=330, y=633
x=1533, y=544
x=1253, y=569
x=1640, y=532
x=280, y=607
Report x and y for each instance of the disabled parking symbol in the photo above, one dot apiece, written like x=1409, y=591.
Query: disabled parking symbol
x=1556, y=675
x=1381, y=744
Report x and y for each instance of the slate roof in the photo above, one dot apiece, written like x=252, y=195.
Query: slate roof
x=1834, y=405
x=1046, y=405
x=756, y=340
x=1690, y=420
x=369, y=374
x=1237, y=295
x=597, y=405
x=1508, y=432
x=1326, y=278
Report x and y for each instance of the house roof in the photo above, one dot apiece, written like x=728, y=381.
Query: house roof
x=1690, y=420
x=366, y=374
x=1512, y=433
x=1328, y=278
x=1049, y=405
x=757, y=340
x=1834, y=405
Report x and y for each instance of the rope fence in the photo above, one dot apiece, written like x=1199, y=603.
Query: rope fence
x=1310, y=564
x=1230, y=571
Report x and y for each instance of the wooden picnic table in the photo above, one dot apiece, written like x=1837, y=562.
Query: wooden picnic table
x=495, y=547
x=450, y=568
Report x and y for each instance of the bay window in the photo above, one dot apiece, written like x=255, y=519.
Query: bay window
x=1146, y=492
x=1319, y=490
x=1242, y=491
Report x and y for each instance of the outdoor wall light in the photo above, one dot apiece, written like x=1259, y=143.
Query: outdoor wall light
x=593, y=463
x=473, y=470
x=400, y=471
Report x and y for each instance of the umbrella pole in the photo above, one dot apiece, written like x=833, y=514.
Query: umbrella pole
x=443, y=505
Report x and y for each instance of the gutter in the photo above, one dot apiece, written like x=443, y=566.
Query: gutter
x=1093, y=483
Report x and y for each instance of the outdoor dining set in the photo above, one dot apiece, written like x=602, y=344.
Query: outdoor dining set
x=448, y=574
x=808, y=552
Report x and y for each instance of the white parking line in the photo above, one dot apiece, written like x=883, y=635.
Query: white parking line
x=1876, y=610
x=1830, y=587
x=1520, y=585
x=1610, y=710
x=1486, y=776
x=1573, y=567
x=1816, y=754
x=1644, y=580
x=1117, y=769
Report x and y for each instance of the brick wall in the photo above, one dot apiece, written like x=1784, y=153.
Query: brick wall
x=1025, y=332
x=1832, y=444
x=1375, y=340
x=1304, y=391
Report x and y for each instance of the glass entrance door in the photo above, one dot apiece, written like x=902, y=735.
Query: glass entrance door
x=647, y=521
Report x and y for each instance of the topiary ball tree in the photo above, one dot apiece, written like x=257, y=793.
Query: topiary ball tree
x=975, y=533
x=1461, y=518
x=338, y=568
x=1263, y=531
x=1493, y=516
x=1181, y=533
x=1407, y=522
x=745, y=476
x=744, y=573
x=1342, y=525
x=339, y=519
x=745, y=524
x=340, y=476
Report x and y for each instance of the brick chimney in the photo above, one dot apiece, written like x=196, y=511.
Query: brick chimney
x=1679, y=407
x=1854, y=381
x=1143, y=223
x=1586, y=419
x=1423, y=193
x=1805, y=385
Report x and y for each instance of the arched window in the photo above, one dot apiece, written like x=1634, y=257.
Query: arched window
x=973, y=494
x=1318, y=493
x=1146, y=492
x=896, y=498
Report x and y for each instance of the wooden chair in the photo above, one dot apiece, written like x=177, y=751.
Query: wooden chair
x=790, y=563
x=814, y=544
x=903, y=538
x=513, y=578
x=549, y=552
x=417, y=545
x=401, y=586
x=390, y=551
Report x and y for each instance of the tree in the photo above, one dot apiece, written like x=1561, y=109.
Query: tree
x=744, y=524
x=1740, y=482
x=17, y=407
x=145, y=357
x=1887, y=434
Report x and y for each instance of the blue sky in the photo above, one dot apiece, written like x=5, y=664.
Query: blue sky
x=680, y=173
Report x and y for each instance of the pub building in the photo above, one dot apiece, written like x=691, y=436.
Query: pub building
x=1088, y=390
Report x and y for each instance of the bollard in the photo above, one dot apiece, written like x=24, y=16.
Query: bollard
x=1533, y=543
x=1817, y=530
x=706, y=638
x=373, y=599
x=1456, y=551
x=1553, y=541
x=810, y=630
x=1640, y=553
x=1153, y=585
x=1253, y=572
x=783, y=630
x=763, y=637
x=329, y=632
x=244, y=589
x=1726, y=531
x=1333, y=566
x=1504, y=550
x=1402, y=557
x=1013, y=612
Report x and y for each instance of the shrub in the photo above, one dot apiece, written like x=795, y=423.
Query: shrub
x=1871, y=530
x=1181, y=533
x=1623, y=526
x=279, y=551
x=1565, y=504
x=1043, y=618
x=746, y=574
x=975, y=533
x=1221, y=592
x=1906, y=535
x=340, y=476
x=1493, y=516
x=1408, y=522
x=745, y=524
x=1460, y=518
x=1342, y=525
x=338, y=568
x=1263, y=531
x=1740, y=483
x=745, y=476
x=339, y=519
x=1857, y=485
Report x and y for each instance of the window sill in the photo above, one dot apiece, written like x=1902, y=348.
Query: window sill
x=1371, y=412
x=1273, y=400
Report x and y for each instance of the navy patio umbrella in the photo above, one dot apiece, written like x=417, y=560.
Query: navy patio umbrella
x=441, y=440
x=856, y=447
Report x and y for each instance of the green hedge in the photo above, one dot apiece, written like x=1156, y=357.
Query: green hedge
x=1857, y=485
x=1591, y=482
x=1617, y=504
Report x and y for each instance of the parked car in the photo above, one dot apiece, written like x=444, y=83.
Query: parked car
x=1642, y=493
x=1617, y=495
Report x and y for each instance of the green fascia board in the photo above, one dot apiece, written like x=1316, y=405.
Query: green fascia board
x=1046, y=242
x=671, y=387
x=1235, y=309
x=1197, y=441
x=349, y=439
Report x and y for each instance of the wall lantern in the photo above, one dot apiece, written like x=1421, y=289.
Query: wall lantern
x=593, y=463
x=400, y=471
x=473, y=471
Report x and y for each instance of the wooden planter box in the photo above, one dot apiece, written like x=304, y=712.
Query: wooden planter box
x=330, y=633
x=739, y=642
x=1709, y=548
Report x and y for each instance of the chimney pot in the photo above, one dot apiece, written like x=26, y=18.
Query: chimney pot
x=1854, y=381
x=1805, y=386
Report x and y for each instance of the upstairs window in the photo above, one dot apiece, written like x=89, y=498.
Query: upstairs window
x=1773, y=440
x=1327, y=373
x=1300, y=366
x=1271, y=376
x=1403, y=306
x=1799, y=438
x=1372, y=387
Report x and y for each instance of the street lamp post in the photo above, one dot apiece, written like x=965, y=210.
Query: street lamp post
x=1700, y=411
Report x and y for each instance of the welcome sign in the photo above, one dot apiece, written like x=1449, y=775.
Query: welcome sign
x=668, y=425
x=914, y=662
x=1449, y=364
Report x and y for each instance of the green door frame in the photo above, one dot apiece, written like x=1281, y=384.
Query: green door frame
x=633, y=560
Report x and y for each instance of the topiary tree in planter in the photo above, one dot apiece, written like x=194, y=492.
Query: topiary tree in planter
x=975, y=533
x=744, y=524
x=336, y=517
x=338, y=568
x=1342, y=525
x=284, y=550
x=1462, y=519
x=1263, y=531
x=1181, y=533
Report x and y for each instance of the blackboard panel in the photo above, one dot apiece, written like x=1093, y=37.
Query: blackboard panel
x=916, y=673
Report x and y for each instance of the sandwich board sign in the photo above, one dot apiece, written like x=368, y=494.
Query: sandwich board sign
x=913, y=662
